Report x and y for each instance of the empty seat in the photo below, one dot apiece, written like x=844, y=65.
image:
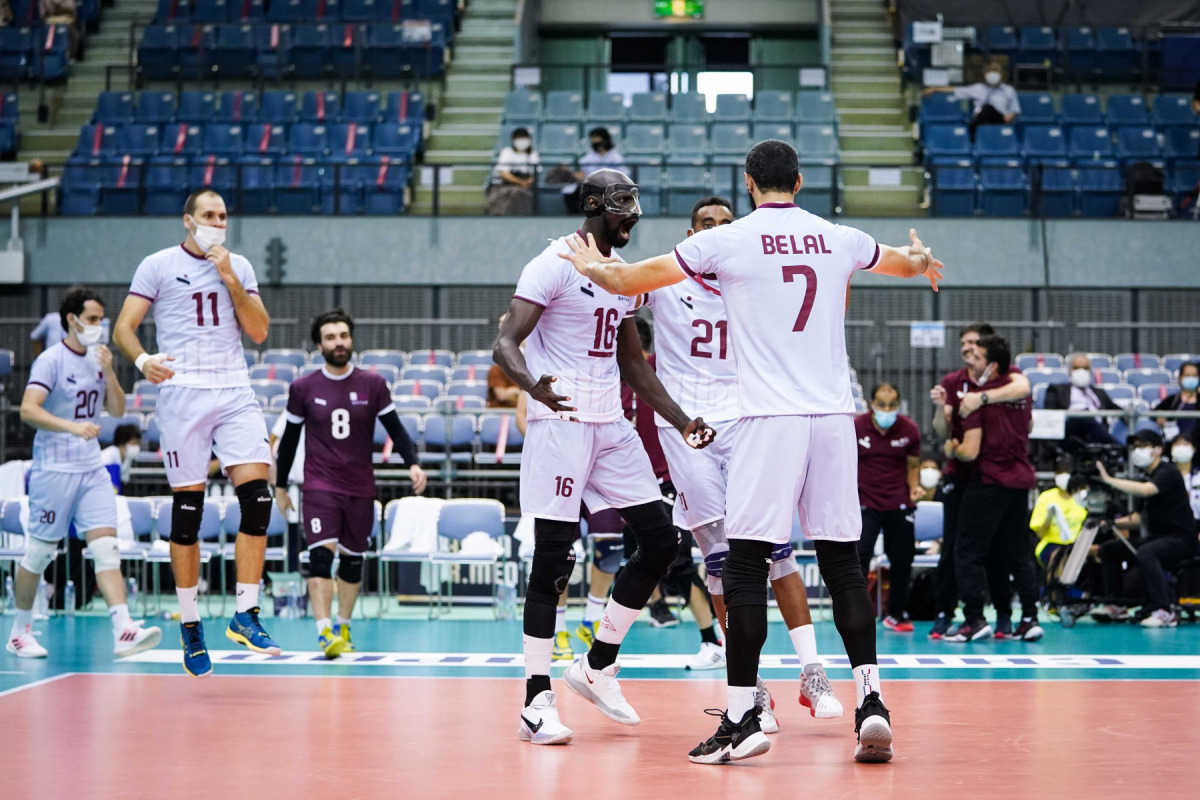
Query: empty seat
x=216, y=173
x=942, y=108
x=292, y=11
x=155, y=108
x=364, y=108
x=481, y=358
x=1171, y=362
x=815, y=108
x=1116, y=53
x=1153, y=391
x=645, y=143
x=688, y=140
x=181, y=140
x=303, y=186
x=1002, y=41
x=265, y=390
x=606, y=107
x=278, y=108
x=1127, y=110
x=1081, y=109
x=559, y=140
x=405, y=107
x=1102, y=375
x=166, y=182
x=264, y=140
x=158, y=52
x=734, y=108
x=1138, y=144
x=1100, y=190
x=310, y=53
x=773, y=107
x=816, y=144
x=522, y=105
x=1047, y=375
x=438, y=358
x=1148, y=375
x=319, y=106
x=954, y=191
x=365, y=10
x=273, y=372
x=394, y=358
x=1028, y=361
x=136, y=139
x=1045, y=145
x=394, y=140
x=196, y=106
x=784, y=131
x=113, y=108
x=349, y=142
x=272, y=50
x=421, y=387
x=235, y=107
x=234, y=54
x=275, y=355
x=96, y=141
x=648, y=107
x=1090, y=144
x=1004, y=191
x=996, y=145
x=221, y=139
x=1173, y=110
x=1128, y=361
x=308, y=139
x=947, y=144
x=1037, y=108
x=1039, y=45
x=564, y=106
x=730, y=142
x=1079, y=43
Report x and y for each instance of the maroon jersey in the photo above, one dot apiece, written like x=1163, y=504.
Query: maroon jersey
x=883, y=462
x=338, y=415
x=957, y=384
x=1003, y=458
x=642, y=417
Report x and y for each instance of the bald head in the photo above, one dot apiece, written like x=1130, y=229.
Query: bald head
x=603, y=178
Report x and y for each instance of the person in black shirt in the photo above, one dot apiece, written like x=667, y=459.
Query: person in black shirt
x=1171, y=530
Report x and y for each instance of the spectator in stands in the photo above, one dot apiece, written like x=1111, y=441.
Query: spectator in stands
x=48, y=333
x=1170, y=525
x=6, y=13
x=1183, y=400
x=1080, y=395
x=1059, y=513
x=930, y=477
x=501, y=391
x=602, y=154
x=511, y=189
x=118, y=457
x=65, y=13
x=994, y=102
x=1183, y=453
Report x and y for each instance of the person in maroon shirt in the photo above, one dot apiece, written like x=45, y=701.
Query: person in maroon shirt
x=337, y=408
x=889, y=461
x=995, y=504
x=955, y=394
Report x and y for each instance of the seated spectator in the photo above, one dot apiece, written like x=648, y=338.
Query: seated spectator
x=1080, y=395
x=930, y=478
x=1059, y=513
x=1183, y=400
x=65, y=13
x=118, y=457
x=502, y=392
x=510, y=192
x=1183, y=453
x=994, y=101
x=602, y=154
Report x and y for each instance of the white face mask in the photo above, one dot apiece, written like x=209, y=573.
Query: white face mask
x=992, y=78
x=90, y=335
x=1183, y=453
x=131, y=451
x=521, y=145
x=929, y=478
x=207, y=237
x=1081, y=497
x=1142, y=457
x=1062, y=480
x=1081, y=378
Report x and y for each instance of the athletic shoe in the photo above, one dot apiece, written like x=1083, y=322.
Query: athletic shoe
x=940, y=626
x=817, y=695
x=195, y=655
x=971, y=632
x=246, y=630
x=1161, y=618
x=25, y=646
x=135, y=639
x=331, y=644
x=952, y=630
x=562, y=647
x=586, y=633
x=711, y=656
x=1004, y=629
x=1110, y=613
x=766, y=705
x=661, y=616
x=600, y=688
x=540, y=723
x=732, y=741
x=1028, y=631
x=873, y=725
x=898, y=624
x=344, y=632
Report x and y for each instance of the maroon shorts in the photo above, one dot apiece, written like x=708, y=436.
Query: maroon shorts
x=330, y=517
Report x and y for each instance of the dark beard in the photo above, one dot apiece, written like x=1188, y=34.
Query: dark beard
x=336, y=359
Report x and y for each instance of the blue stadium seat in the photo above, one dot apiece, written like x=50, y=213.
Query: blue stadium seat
x=273, y=372
x=469, y=372
x=172, y=11
x=292, y=11
x=212, y=12
x=237, y=107
x=1171, y=362
x=954, y=191
x=442, y=11
x=1138, y=144
x=490, y=427
x=480, y=358
x=947, y=144
x=311, y=54
x=559, y=141
x=1172, y=111
x=606, y=107
x=648, y=107
x=113, y=108
x=476, y=388
x=196, y=106
x=196, y=47
x=218, y=174
x=308, y=139
x=181, y=140
x=1182, y=180
x=158, y=51
x=223, y=139
x=1127, y=110
x=1047, y=375
x=96, y=141
x=405, y=107
x=1090, y=145
x=784, y=131
x=365, y=10
x=1002, y=41
x=136, y=139
x=385, y=53
x=1039, y=45
x=394, y=358
x=234, y=53
x=730, y=142
x=344, y=44
x=155, y=108
x=52, y=50
x=79, y=193
x=120, y=187
x=1027, y=361
x=563, y=106
x=421, y=387
x=256, y=194
x=278, y=108
x=273, y=49
x=1045, y=145
x=687, y=140
x=816, y=196
x=1106, y=375
x=374, y=188
x=645, y=143
x=817, y=144
x=363, y=108
x=996, y=145
x=1079, y=44
x=684, y=183
x=1116, y=53
x=425, y=359
x=1149, y=376
x=302, y=186
x=1081, y=109
x=1004, y=191
x=773, y=107
x=1100, y=190
x=264, y=140
x=349, y=142
x=1058, y=193
x=16, y=53
x=941, y=108
x=1037, y=108
x=394, y=140
x=733, y=108
x=1153, y=391
x=522, y=105
x=1140, y=361
x=815, y=108
x=166, y=185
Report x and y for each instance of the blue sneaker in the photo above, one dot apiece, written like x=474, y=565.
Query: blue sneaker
x=1004, y=628
x=195, y=655
x=246, y=630
x=941, y=626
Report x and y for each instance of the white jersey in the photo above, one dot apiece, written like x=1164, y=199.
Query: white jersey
x=693, y=357
x=194, y=317
x=74, y=387
x=576, y=338
x=784, y=274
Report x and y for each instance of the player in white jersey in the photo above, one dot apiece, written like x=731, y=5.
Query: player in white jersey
x=580, y=341
x=69, y=384
x=204, y=298
x=696, y=365
x=784, y=275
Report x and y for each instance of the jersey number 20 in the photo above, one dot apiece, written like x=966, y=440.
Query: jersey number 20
x=810, y=292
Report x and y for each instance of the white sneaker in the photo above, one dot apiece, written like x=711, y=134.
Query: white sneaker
x=25, y=646
x=1161, y=618
x=540, y=723
x=135, y=639
x=767, y=721
x=711, y=656
x=817, y=695
x=600, y=688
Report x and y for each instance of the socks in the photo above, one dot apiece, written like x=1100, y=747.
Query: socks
x=560, y=620
x=741, y=700
x=322, y=624
x=343, y=622
x=538, y=654
x=594, y=610
x=119, y=616
x=247, y=596
x=866, y=680
x=189, y=611
x=709, y=634
x=804, y=640
x=22, y=623
x=618, y=619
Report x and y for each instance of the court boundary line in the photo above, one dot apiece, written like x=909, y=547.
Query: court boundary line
x=37, y=683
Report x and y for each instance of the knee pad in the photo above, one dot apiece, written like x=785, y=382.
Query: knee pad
x=320, y=562
x=38, y=555
x=553, y=560
x=350, y=568
x=657, y=538
x=783, y=562
x=745, y=574
x=607, y=554
x=106, y=555
x=255, y=499
x=714, y=566
x=187, y=511
x=840, y=567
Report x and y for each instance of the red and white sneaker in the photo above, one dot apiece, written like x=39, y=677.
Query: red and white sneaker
x=898, y=624
x=135, y=639
x=25, y=645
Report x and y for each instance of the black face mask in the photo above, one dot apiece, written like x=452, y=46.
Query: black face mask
x=598, y=146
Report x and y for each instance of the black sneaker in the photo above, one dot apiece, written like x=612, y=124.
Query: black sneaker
x=661, y=616
x=732, y=742
x=941, y=626
x=1029, y=630
x=970, y=631
x=873, y=725
x=1004, y=629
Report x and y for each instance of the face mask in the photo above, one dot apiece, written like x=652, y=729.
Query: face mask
x=929, y=478
x=1183, y=453
x=1062, y=480
x=597, y=146
x=207, y=237
x=1081, y=378
x=90, y=335
x=1081, y=497
x=1141, y=457
x=986, y=375
x=131, y=451
x=992, y=78
x=885, y=419
x=522, y=144
x=1190, y=384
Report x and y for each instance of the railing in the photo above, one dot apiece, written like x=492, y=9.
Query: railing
x=668, y=78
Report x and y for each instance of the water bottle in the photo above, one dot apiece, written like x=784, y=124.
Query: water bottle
x=291, y=608
x=69, y=599
x=104, y=330
x=41, y=600
x=131, y=591
x=10, y=599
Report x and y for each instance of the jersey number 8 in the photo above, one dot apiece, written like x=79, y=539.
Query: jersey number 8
x=340, y=423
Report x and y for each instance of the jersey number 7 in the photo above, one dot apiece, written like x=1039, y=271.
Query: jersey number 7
x=810, y=292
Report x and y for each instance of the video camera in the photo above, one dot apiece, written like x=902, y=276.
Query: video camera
x=1112, y=456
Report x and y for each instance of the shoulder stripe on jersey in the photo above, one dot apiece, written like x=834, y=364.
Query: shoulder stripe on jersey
x=874, y=260
x=143, y=296
x=252, y=291
x=527, y=300
x=293, y=418
x=391, y=407
x=683, y=264
x=696, y=276
x=40, y=385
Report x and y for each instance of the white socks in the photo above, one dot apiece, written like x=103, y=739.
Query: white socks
x=189, y=611
x=538, y=654
x=560, y=620
x=322, y=624
x=594, y=610
x=247, y=596
x=119, y=616
x=343, y=622
x=22, y=623
x=866, y=680
x=617, y=621
x=741, y=700
x=804, y=640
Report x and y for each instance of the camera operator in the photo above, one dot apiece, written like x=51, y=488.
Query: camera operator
x=1169, y=525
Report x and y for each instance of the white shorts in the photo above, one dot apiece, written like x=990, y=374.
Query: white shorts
x=700, y=476
x=601, y=464
x=195, y=423
x=780, y=464
x=56, y=499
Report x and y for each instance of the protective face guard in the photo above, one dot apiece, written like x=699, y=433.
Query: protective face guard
x=617, y=198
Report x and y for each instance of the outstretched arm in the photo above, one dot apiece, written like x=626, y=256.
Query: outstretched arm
x=909, y=261
x=616, y=277
x=1017, y=388
x=636, y=371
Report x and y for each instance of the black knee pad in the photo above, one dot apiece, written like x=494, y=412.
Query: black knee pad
x=840, y=566
x=187, y=511
x=320, y=562
x=350, y=568
x=744, y=577
x=553, y=560
x=657, y=538
x=255, y=499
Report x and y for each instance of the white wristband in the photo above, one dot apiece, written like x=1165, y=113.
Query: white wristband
x=141, y=360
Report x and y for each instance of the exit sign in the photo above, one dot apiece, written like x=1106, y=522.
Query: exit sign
x=681, y=9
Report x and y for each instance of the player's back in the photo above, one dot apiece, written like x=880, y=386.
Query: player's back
x=783, y=274
x=194, y=316
x=74, y=386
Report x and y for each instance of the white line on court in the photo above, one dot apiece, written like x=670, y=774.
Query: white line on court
x=42, y=682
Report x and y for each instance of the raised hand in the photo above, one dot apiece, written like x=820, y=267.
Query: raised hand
x=104, y=357
x=584, y=253
x=937, y=395
x=931, y=268
x=219, y=257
